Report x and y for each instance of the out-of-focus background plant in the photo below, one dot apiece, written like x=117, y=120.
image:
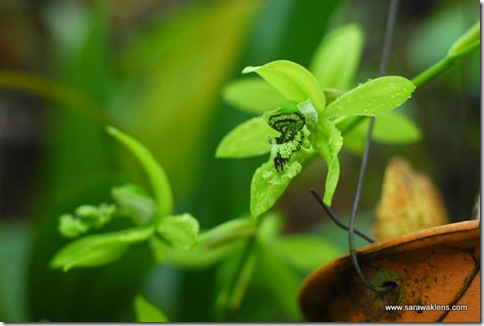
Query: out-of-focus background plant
x=156, y=69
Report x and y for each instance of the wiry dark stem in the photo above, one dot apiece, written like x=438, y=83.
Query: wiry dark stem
x=364, y=161
x=335, y=219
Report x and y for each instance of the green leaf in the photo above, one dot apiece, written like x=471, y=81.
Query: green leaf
x=250, y=138
x=389, y=128
x=337, y=57
x=293, y=81
x=175, y=68
x=197, y=257
x=372, y=98
x=53, y=91
x=279, y=279
x=252, y=95
x=268, y=185
x=227, y=232
x=270, y=227
x=211, y=246
x=147, y=312
x=231, y=295
x=99, y=249
x=470, y=39
x=328, y=144
x=181, y=230
x=307, y=252
x=135, y=202
x=156, y=174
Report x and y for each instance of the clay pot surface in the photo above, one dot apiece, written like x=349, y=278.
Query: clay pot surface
x=435, y=269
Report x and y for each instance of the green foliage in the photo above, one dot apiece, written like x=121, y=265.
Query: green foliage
x=133, y=201
x=252, y=95
x=268, y=185
x=328, y=144
x=247, y=139
x=100, y=249
x=372, y=98
x=469, y=41
x=305, y=93
x=157, y=175
x=181, y=231
x=147, y=312
x=337, y=57
x=161, y=86
x=293, y=81
x=392, y=128
x=86, y=217
x=97, y=250
x=211, y=246
x=304, y=252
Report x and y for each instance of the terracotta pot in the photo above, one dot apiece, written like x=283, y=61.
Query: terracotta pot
x=434, y=269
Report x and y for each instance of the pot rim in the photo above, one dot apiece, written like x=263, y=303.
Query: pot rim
x=327, y=275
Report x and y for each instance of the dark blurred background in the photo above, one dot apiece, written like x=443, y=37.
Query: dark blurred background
x=156, y=68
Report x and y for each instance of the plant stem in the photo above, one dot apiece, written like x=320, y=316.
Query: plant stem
x=240, y=278
x=392, y=13
x=335, y=219
x=442, y=66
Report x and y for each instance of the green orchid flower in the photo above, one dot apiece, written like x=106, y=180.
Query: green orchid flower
x=303, y=112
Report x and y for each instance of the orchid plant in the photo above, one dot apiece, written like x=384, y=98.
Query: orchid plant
x=305, y=114
x=301, y=114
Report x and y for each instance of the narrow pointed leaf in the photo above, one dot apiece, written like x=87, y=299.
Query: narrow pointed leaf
x=99, y=249
x=307, y=252
x=156, y=174
x=247, y=139
x=337, y=57
x=372, y=98
x=390, y=128
x=471, y=38
x=252, y=95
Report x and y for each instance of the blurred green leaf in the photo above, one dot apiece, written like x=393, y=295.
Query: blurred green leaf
x=328, y=143
x=293, y=81
x=390, y=128
x=306, y=252
x=337, y=57
x=211, y=246
x=15, y=242
x=135, y=202
x=250, y=138
x=147, y=312
x=374, y=97
x=174, y=72
x=470, y=39
x=279, y=279
x=227, y=232
x=231, y=295
x=440, y=29
x=158, y=178
x=180, y=230
x=197, y=257
x=98, y=250
x=53, y=91
x=252, y=95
